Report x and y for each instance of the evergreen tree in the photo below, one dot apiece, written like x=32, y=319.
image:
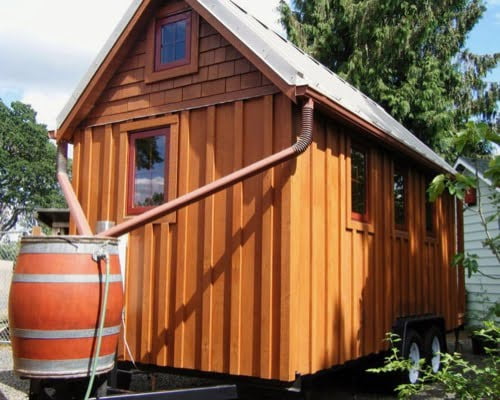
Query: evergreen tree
x=27, y=166
x=409, y=56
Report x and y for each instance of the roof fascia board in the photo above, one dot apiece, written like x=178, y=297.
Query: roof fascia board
x=81, y=100
x=366, y=126
x=251, y=53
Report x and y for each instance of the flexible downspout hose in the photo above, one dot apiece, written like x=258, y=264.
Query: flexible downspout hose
x=101, y=324
x=298, y=148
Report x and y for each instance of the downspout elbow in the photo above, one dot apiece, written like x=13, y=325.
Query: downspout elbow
x=306, y=135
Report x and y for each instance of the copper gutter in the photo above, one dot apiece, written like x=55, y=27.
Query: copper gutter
x=75, y=209
x=298, y=148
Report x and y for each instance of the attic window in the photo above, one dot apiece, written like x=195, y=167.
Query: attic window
x=172, y=44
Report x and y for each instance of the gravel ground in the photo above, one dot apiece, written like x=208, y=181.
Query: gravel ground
x=11, y=387
x=345, y=384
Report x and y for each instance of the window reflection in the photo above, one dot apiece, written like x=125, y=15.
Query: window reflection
x=149, y=174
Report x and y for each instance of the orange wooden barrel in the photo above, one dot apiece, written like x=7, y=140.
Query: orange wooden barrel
x=54, y=306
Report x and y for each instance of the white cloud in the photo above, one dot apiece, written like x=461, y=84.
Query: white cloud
x=47, y=104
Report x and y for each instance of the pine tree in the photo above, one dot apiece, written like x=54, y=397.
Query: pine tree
x=409, y=56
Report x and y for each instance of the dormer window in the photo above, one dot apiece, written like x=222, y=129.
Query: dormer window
x=173, y=41
x=172, y=48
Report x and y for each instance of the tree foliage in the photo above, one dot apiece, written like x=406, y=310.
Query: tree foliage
x=409, y=56
x=27, y=166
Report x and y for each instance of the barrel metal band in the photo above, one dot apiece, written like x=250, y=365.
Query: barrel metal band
x=63, y=334
x=46, y=367
x=66, y=278
x=66, y=248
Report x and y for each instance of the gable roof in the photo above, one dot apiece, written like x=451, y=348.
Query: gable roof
x=288, y=67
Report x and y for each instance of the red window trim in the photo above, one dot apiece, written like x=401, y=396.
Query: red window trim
x=402, y=171
x=133, y=136
x=159, y=24
x=355, y=215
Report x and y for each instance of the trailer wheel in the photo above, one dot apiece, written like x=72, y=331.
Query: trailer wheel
x=413, y=351
x=433, y=347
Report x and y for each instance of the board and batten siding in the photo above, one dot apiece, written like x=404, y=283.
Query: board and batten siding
x=351, y=280
x=482, y=291
x=269, y=277
x=208, y=290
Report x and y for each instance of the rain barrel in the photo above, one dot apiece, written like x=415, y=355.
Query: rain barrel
x=55, y=304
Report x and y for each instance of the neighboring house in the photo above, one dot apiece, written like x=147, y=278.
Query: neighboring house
x=301, y=267
x=482, y=291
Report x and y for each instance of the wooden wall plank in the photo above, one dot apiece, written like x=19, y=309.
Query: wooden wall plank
x=267, y=244
x=208, y=242
x=283, y=136
x=236, y=245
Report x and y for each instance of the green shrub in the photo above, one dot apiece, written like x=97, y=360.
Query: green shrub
x=457, y=376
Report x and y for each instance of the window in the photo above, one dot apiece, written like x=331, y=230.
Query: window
x=399, y=193
x=172, y=43
x=148, y=169
x=359, y=184
x=429, y=211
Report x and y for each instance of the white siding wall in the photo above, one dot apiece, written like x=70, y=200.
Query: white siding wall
x=482, y=292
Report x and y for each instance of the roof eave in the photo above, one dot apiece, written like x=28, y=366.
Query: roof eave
x=375, y=131
x=99, y=73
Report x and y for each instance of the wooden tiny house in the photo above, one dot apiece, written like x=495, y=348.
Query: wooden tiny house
x=302, y=267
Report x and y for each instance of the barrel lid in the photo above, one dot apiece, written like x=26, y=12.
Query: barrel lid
x=64, y=244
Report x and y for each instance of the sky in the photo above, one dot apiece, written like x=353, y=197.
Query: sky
x=46, y=46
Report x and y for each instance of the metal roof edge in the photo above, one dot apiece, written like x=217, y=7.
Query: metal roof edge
x=96, y=64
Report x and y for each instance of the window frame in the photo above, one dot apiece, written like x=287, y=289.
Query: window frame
x=432, y=206
x=159, y=24
x=403, y=172
x=132, y=209
x=123, y=178
x=172, y=12
x=363, y=218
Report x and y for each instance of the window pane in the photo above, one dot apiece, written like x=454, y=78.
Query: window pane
x=429, y=217
x=168, y=34
x=167, y=54
x=399, y=199
x=149, y=171
x=173, y=41
x=358, y=181
x=180, y=31
x=180, y=50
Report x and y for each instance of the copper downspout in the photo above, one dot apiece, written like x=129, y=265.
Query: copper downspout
x=75, y=208
x=299, y=147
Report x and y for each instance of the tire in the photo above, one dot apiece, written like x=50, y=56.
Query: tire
x=413, y=350
x=433, y=346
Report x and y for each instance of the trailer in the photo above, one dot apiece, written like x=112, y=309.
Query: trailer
x=273, y=220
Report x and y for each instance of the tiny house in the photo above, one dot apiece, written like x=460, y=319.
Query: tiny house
x=301, y=267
